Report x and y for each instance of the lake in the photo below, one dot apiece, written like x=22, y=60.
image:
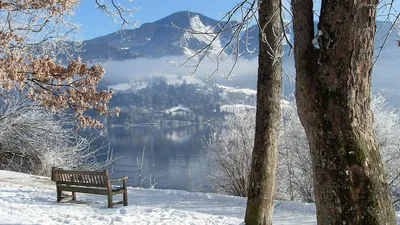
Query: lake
x=179, y=160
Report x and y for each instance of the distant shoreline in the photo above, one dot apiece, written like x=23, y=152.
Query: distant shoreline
x=168, y=124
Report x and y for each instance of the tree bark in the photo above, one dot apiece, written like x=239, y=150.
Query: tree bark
x=333, y=83
x=262, y=176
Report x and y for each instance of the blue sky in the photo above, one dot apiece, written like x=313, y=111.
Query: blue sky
x=94, y=23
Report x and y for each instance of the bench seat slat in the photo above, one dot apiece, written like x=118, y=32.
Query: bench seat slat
x=87, y=179
x=101, y=181
x=84, y=190
x=74, y=177
x=82, y=187
x=81, y=184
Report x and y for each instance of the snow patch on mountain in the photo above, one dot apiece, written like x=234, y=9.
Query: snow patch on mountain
x=246, y=91
x=203, y=34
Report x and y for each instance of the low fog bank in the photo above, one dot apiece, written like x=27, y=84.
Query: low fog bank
x=386, y=72
x=244, y=75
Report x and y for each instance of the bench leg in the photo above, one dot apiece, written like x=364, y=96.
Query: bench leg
x=110, y=201
x=73, y=196
x=58, y=195
x=125, y=196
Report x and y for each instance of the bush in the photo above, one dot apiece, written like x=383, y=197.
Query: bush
x=33, y=140
x=229, y=150
x=230, y=146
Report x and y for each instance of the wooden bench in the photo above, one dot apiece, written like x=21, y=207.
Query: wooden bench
x=88, y=182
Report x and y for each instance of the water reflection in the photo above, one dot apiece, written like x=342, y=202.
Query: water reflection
x=177, y=154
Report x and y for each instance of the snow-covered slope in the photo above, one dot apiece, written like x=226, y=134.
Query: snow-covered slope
x=26, y=199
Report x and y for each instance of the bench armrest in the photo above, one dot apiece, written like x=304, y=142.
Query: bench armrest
x=124, y=178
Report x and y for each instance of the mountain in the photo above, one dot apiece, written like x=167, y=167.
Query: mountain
x=167, y=36
x=170, y=36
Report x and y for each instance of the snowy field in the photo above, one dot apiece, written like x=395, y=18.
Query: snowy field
x=26, y=199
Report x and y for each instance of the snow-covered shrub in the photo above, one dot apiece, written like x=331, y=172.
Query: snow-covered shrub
x=294, y=177
x=387, y=134
x=231, y=144
x=33, y=140
x=229, y=149
x=294, y=151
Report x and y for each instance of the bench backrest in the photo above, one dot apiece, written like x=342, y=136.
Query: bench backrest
x=81, y=178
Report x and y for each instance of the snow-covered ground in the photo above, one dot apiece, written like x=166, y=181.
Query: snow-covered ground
x=26, y=199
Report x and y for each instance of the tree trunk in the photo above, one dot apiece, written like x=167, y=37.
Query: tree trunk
x=262, y=175
x=333, y=85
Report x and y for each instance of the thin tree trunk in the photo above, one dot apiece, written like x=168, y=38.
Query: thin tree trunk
x=262, y=176
x=333, y=85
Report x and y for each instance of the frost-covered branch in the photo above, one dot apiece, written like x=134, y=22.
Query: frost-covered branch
x=386, y=12
x=229, y=150
x=120, y=13
x=229, y=39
